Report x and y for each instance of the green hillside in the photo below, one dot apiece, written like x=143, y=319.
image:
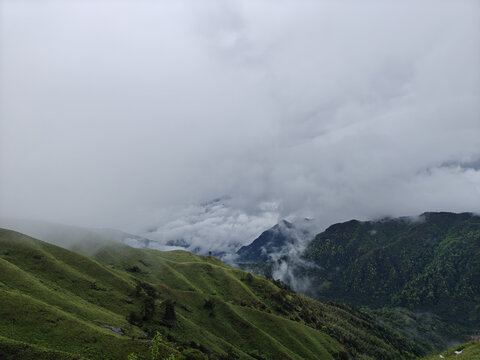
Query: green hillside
x=59, y=304
x=469, y=351
x=427, y=264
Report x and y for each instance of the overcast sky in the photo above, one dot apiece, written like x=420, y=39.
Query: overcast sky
x=132, y=114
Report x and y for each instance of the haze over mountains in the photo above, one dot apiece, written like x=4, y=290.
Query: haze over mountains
x=331, y=111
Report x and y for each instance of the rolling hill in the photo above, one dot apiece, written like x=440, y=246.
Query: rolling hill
x=61, y=304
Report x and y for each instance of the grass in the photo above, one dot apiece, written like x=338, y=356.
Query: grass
x=61, y=304
x=12, y=350
x=470, y=351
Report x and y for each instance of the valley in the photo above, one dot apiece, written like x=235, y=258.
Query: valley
x=380, y=289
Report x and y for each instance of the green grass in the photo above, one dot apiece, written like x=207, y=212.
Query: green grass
x=47, y=300
x=13, y=350
x=470, y=351
x=59, y=304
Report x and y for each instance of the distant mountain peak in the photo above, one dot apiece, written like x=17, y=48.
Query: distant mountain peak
x=273, y=243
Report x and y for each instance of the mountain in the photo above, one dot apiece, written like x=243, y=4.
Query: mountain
x=69, y=236
x=275, y=243
x=61, y=304
x=271, y=242
x=277, y=254
x=418, y=275
x=58, y=234
x=430, y=263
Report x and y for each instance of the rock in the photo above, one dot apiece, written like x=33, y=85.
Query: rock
x=114, y=329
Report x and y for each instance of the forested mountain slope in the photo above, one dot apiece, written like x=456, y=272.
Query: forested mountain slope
x=431, y=263
x=419, y=276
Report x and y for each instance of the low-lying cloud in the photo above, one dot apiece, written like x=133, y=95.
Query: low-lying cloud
x=217, y=226
x=131, y=114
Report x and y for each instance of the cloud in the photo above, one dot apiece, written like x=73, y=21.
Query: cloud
x=130, y=114
x=217, y=226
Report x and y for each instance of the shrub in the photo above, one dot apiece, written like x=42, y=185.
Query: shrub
x=156, y=341
x=133, y=269
x=194, y=354
x=134, y=319
x=169, y=317
x=209, y=304
x=148, y=308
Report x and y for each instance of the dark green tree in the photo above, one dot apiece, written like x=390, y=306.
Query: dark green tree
x=169, y=317
x=148, y=308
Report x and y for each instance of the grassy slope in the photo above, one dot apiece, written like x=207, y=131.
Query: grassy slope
x=56, y=304
x=47, y=299
x=470, y=351
x=191, y=279
x=11, y=350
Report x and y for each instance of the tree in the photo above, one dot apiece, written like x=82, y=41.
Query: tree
x=156, y=341
x=148, y=308
x=194, y=354
x=169, y=317
x=209, y=304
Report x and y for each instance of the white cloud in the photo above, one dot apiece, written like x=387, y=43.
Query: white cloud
x=114, y=113
x=216, y=226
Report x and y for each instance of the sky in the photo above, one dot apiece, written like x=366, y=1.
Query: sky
x=211, y=120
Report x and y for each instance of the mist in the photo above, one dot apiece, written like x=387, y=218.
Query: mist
x=137, y=114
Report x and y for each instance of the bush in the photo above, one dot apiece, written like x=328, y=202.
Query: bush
x=169, y=317
x=134, y=319
x=194, y=354
x=156, y=341
x=209, y=304
x=148, y=308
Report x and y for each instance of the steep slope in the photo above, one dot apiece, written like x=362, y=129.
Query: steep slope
x=277, y=253
x=419, y=276
x=271, y=244
x=60, y=304
x=427, y=264
x=467, y=351
x=50, y=295
x=250, y=304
